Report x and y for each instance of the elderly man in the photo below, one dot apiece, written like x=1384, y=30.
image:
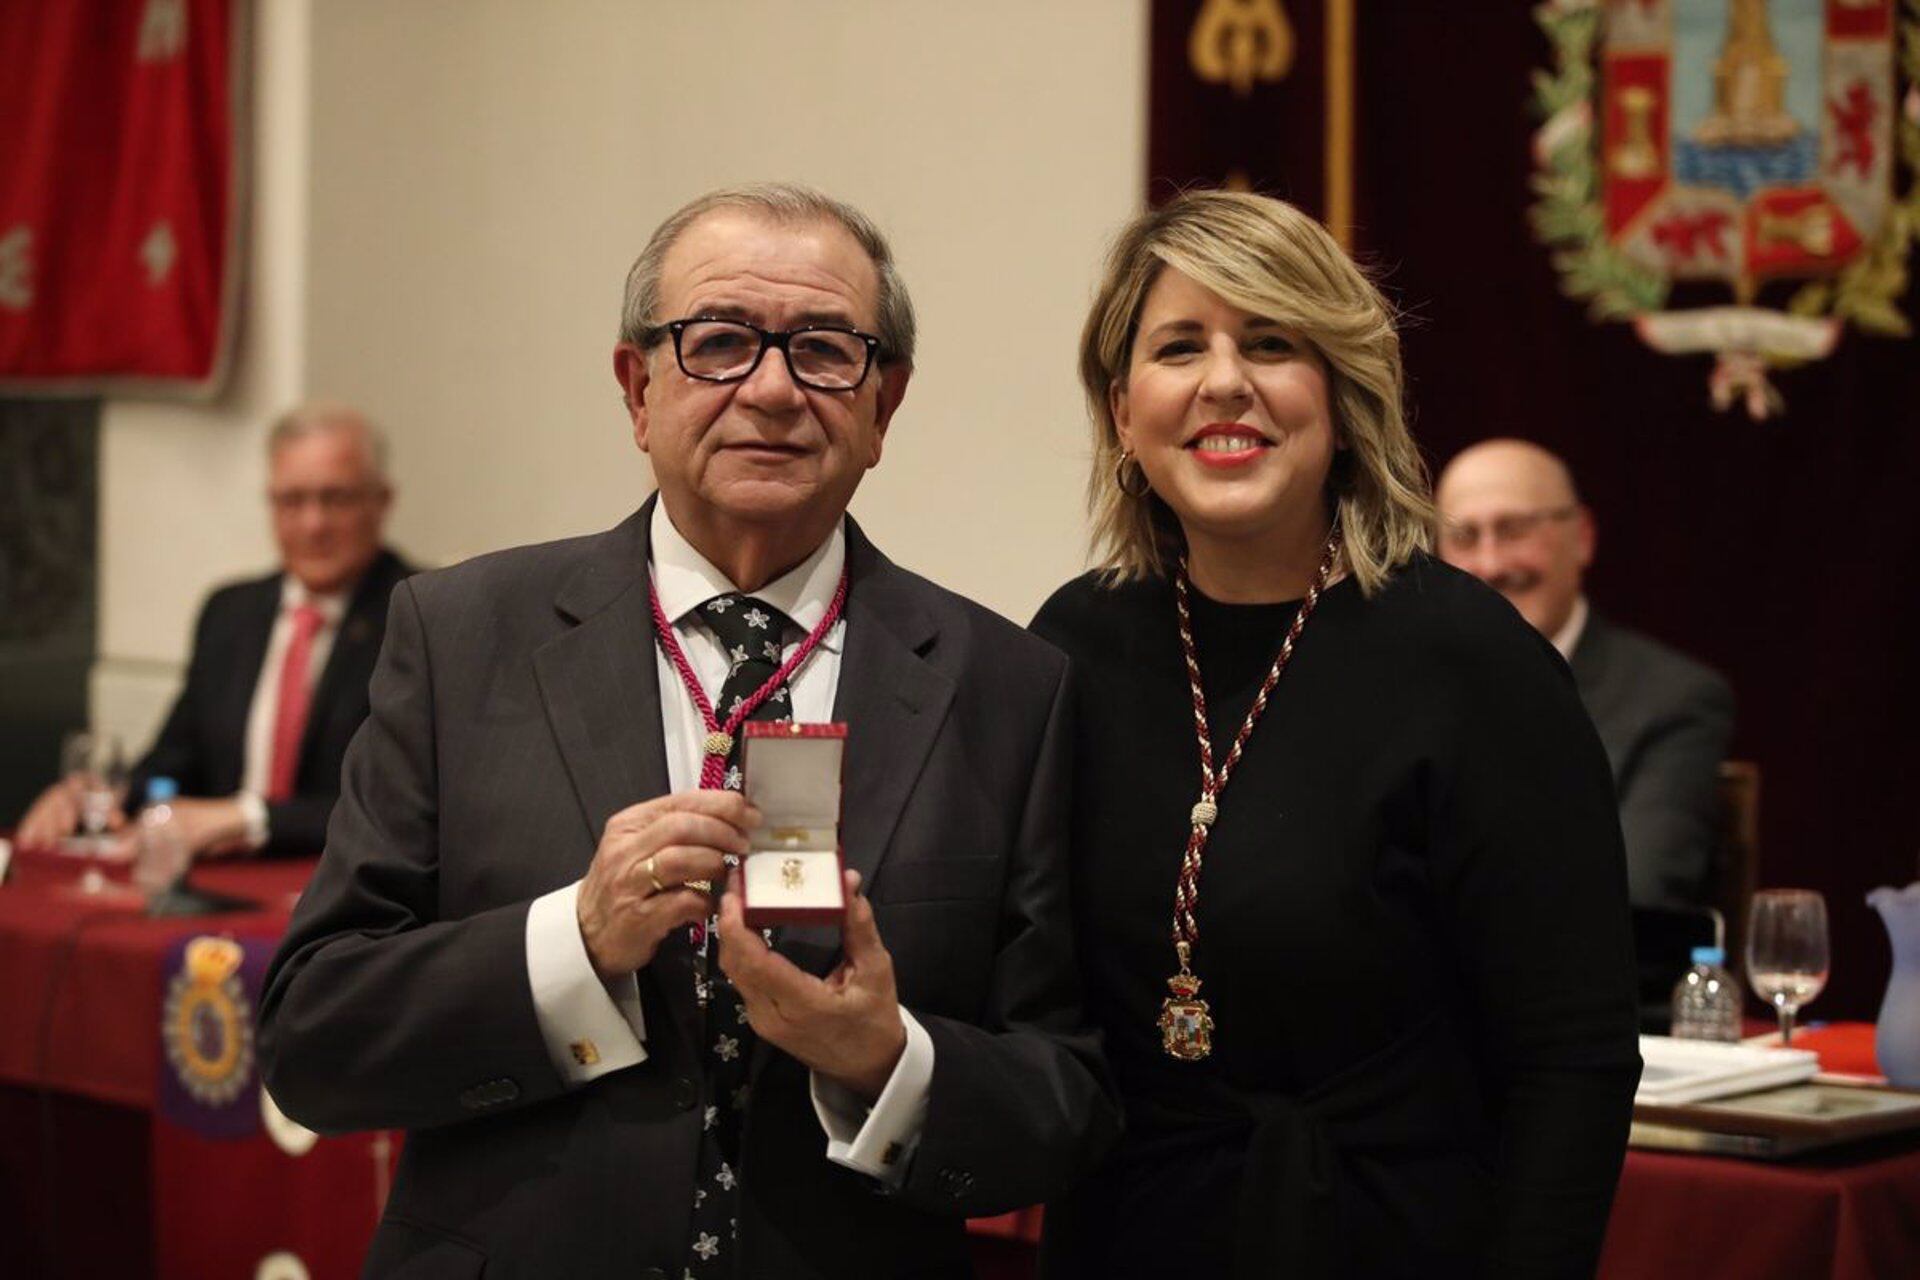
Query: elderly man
x=510, y=948
x=1510, y=516
x=277, y=681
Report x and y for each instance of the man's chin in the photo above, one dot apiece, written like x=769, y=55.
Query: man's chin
x=771, y=499
x=324, y=578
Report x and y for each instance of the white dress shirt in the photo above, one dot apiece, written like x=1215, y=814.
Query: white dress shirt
x=591, y=1027
x=257, y=768
x=1567, y=639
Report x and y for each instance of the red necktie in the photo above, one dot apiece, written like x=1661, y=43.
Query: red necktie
x=290, y=717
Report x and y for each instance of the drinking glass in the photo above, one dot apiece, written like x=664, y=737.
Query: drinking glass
x=96, y=769
x=1787, y=951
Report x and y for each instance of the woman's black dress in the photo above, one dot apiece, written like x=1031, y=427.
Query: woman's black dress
x=1414, y=938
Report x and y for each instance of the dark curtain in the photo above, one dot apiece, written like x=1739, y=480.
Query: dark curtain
x=48, y=503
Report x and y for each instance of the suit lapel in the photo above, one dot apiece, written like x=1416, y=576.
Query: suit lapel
x=355, y=648
x=1593, y=677
x=893, y=700
x=602, y=695
x=598, y=681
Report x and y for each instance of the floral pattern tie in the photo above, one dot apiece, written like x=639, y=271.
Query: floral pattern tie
x=754, y=634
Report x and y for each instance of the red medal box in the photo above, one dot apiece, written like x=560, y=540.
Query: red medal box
x=792, y=871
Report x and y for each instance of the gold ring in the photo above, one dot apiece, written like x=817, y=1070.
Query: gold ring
x=653, y=874
x=704, y=886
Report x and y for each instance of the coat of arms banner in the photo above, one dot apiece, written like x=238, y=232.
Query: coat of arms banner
x=120, y=191
x=1739, y=157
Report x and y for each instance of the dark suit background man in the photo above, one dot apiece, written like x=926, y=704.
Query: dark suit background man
x=256, y=758
x=1510, y=515
x=507, y=948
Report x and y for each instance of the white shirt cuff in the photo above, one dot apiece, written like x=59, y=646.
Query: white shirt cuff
x=253, y=811
x=591, y=1027
x=879, y=1142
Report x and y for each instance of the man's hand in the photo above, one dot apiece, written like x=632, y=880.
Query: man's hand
x=638, y=888
x=847, y=1026
x=210, y=828
x=56, y=815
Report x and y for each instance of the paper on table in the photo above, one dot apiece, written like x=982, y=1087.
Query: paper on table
x=1680, y=1071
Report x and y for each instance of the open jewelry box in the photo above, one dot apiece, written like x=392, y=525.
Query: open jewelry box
x=791, y=773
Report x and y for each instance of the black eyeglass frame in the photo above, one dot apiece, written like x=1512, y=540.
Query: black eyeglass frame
x=779, y=338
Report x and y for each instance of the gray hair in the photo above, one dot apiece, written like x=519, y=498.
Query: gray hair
x=784, y=202
x=317, y=417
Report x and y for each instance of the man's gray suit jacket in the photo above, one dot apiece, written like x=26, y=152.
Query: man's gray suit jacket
x=515, y=707
x=1665, y=721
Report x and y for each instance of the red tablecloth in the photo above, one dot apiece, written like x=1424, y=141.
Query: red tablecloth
x=106, y=1184
x=79, y=1002
x=1843, y=1216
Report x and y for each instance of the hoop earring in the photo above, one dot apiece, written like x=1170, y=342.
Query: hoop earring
x=1120, y=474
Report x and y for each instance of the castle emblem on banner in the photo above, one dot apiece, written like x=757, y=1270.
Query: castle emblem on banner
x=1743, y=153
x=207, y=1022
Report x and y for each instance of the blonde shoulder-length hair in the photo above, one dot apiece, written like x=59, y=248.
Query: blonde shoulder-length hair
x=1265, y=257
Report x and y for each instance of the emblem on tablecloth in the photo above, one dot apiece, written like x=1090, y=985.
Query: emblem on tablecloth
x=206, y=1025
x=1742, y=153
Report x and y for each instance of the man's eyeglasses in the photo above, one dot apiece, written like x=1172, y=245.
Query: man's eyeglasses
x=1464, y=535
x=821, y=357
x=330, y=500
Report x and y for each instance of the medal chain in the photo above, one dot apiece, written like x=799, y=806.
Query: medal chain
x=1186, y=897
x=720, y=734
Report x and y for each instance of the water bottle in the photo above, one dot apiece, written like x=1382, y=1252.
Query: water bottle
x=1706, y=1002
x=161, y=854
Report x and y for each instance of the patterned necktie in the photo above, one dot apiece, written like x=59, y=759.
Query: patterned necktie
x=754, y=634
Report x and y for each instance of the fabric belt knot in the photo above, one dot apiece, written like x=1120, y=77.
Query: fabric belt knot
x=1298, y=1153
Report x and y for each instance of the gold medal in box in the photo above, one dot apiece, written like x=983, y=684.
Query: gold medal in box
x=791, y=773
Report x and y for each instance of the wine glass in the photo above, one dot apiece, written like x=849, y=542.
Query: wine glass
x=96, y=769
x=1787, y=951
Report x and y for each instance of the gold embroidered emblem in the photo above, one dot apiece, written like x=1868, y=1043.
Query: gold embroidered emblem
x=206, y=1024
x=1236, y=42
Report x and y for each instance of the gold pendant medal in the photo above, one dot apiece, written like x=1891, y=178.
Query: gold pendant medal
x=1186, y=1026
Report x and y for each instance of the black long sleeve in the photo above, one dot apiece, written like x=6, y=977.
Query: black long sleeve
x=1419, y=854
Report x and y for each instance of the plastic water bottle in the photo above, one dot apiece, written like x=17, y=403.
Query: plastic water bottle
x=1706, y=1002
x=161, y=854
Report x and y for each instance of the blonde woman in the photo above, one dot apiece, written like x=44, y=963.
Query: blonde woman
x=1350, y=892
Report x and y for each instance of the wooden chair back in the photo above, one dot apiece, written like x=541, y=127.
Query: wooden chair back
x=1735, y=870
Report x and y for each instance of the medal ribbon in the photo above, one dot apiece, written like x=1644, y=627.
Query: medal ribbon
x=1186, y=894
x=719, y=741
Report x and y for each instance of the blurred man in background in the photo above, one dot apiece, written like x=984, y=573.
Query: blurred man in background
x=277, y=681
x=1510, y=516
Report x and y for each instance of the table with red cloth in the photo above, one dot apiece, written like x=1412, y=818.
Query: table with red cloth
x=1848, y=1214
x=98, y=1179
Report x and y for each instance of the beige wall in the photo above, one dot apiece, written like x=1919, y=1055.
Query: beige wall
x=471, y=178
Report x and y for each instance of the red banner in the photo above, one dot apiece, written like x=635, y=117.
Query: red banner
x=120, y=186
